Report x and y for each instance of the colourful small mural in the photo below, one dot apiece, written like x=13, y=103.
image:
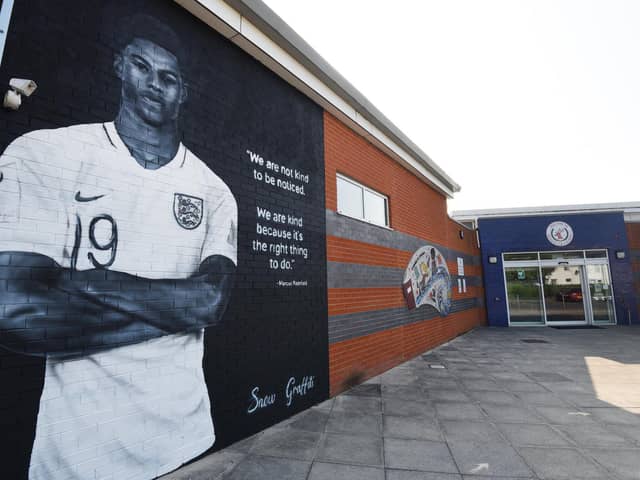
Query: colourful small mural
x=427, y=281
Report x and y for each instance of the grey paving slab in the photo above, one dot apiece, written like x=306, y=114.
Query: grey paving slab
x=355, y=422
x=517, y=386
x=624, y=463
x=488, y=458
x=593, y=435
x=511, y=413
x=366, y=390
x=351, y=449
x=418, y=455
x=326, y=405
x=403, y=392
x=212, y=466
x=470, y=431
x=518, y=408
x=565, y=415
x=632, y=432
x=483, y=384
x=491, y=477
x=352, y=403
x=561, y=464
x=314, y=420
x=287, y=443
x=547, y=377
x=410, y=427
x=244, y=446
x=432, y=383
x=423, y=408
x=458, y=411
x=260, y=468
x=533, y=435
x=334, y=471
x=450, y=395
x=470, y=374
x=542, y=398
x=495, y=397
x=413, y=475
x=616, y=416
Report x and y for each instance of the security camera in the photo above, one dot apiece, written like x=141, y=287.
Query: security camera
x=23, y=86
x=18, y=87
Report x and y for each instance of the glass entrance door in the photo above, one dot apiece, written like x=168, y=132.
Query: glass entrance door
x=524, y=294
x=559, y=288
x=563, y=294
x=601, y=294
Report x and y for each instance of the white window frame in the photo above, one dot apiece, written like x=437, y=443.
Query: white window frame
x=364, y=189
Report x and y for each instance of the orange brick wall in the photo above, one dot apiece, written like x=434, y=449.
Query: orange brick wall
x=353, y=361
x=415, y=209
x=633, y=236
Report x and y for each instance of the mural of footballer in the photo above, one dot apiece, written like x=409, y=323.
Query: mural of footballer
x=118, y=246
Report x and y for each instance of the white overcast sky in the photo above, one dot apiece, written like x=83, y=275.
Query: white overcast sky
x=523, y=103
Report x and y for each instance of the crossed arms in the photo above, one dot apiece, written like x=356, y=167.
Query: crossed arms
x=46, y=309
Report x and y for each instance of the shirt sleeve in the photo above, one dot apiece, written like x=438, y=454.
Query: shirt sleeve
x=33, y=217
x=222, y=227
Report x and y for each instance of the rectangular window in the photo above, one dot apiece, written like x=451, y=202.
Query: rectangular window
x=358, y=201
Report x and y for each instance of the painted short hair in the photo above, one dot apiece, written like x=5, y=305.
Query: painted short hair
x=150, y=28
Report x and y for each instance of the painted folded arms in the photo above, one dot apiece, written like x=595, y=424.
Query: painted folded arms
x=46, y=309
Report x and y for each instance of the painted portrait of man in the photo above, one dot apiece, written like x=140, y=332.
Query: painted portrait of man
x=118, y=247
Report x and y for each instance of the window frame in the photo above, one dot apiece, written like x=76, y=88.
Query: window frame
x=363, y=189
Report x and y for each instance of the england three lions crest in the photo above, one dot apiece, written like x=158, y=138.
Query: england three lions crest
x=188, y=210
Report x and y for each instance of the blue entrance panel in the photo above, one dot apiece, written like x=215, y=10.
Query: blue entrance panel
x=529, y=234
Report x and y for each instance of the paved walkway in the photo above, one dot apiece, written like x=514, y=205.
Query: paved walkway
x=535, y=403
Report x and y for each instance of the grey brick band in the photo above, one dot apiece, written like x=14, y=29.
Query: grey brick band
x=352, y=325
x=345, y=227
x=355, y=275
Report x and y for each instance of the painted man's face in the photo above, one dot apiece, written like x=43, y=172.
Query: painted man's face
x=152, y=85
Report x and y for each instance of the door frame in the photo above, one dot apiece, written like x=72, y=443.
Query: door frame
x=584, y=281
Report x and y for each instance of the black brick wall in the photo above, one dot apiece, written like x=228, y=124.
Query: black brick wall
x=269, y=334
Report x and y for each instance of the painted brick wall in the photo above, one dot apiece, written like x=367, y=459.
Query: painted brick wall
x=633, y=237
x=85, y=392
x=370, y=327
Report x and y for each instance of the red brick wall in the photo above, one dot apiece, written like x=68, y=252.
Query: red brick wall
x=415, y=209
x=633, y=236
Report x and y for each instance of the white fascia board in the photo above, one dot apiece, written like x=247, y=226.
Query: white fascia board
x=215, y=13
x=632, y=217
x=629, y=208
x=241, y=31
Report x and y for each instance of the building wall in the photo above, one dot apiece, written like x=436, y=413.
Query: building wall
x=370, y=326
x=83, y=401
x=633, y=236
x=528, y=234
x=106, y=367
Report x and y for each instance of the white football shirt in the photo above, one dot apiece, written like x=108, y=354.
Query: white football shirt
x=140, y=410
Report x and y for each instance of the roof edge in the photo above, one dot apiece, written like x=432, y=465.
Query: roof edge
x=282, y=35
x=630, y=209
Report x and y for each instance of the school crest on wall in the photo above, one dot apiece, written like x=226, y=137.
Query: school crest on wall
x=188, y=210
x=427, y=281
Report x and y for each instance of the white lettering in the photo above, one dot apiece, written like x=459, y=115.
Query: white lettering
x=299, y=390
x=260, y=402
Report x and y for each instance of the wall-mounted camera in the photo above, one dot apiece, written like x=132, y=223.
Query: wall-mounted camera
x=17, y=88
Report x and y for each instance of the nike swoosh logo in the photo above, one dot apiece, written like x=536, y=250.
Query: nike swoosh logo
x=80, y=198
